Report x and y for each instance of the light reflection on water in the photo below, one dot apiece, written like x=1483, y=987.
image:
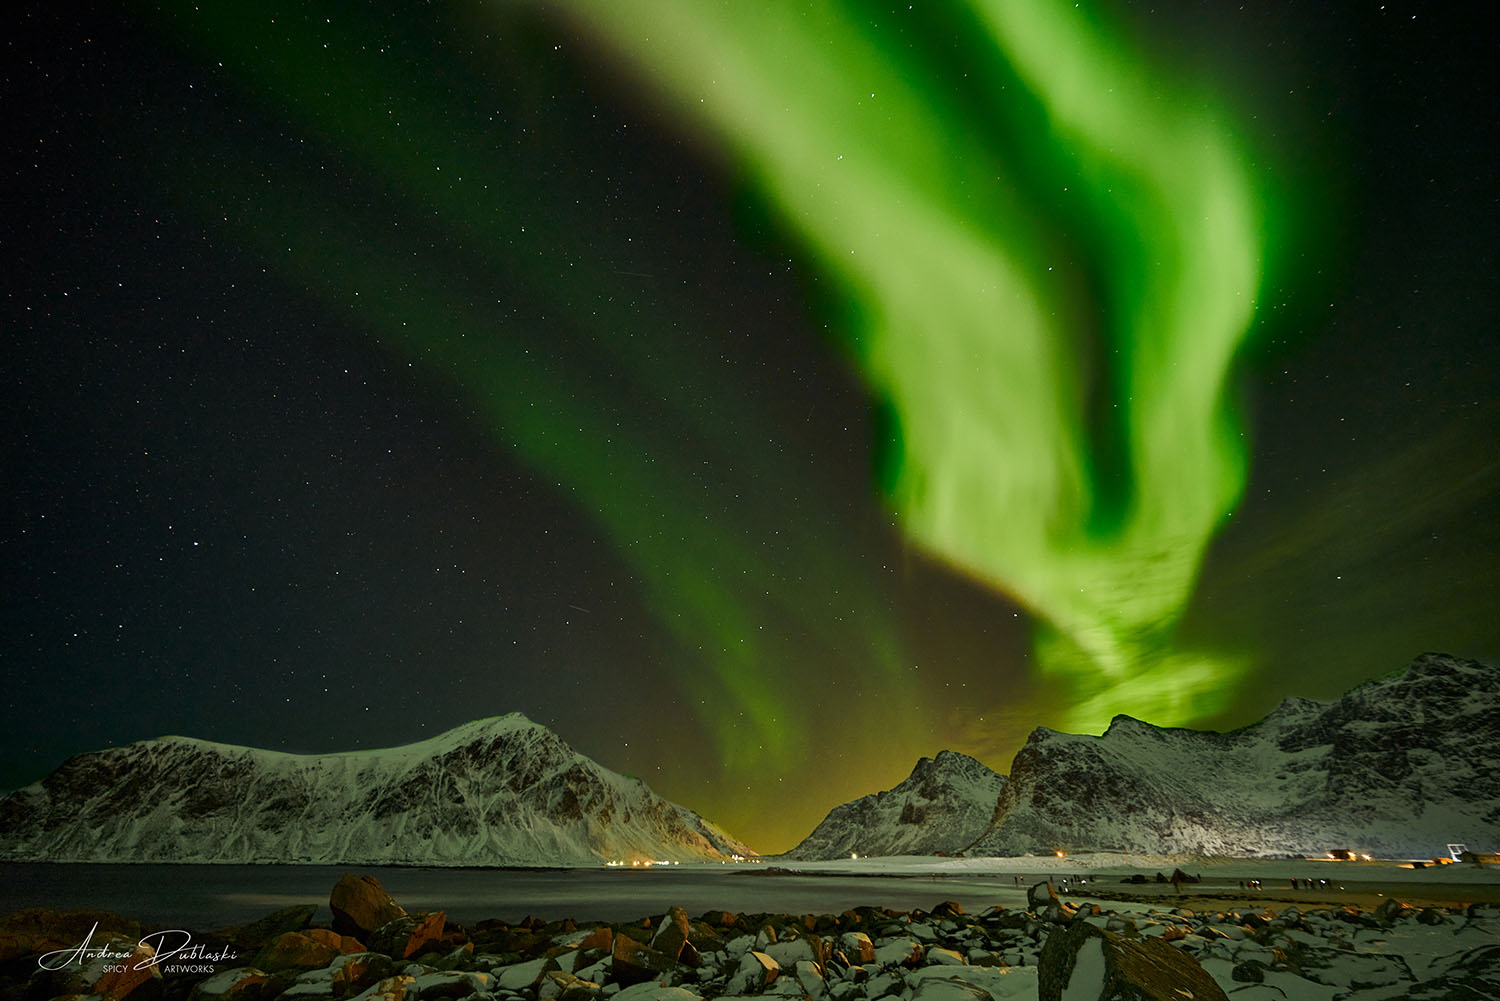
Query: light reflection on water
x=216, y=896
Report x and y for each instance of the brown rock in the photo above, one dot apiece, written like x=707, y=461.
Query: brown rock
x=360, y=905
x=602, y=937
x=136, y=978
x=356, y=971
x=856, y=945
x=110, y=967
x=253, y=936
x=672, y=933
x=295, y=951
x=392, y=989
x=565, y=987
x=36, y=930
x=410, y=935
x=634, y=963
x=1087, y=961
x=723, y=919
x=345, y=944
x=1040, y=896
x=756, y=972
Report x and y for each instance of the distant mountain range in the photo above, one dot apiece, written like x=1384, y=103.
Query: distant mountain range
x=502, y=791
x=942, y=807
x=1399, y=767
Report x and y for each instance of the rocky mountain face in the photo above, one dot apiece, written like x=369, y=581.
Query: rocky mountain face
x=501, y=791
x=1399, y=767
x=945, y=804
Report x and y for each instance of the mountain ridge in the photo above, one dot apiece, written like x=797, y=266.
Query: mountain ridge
x=497, y=791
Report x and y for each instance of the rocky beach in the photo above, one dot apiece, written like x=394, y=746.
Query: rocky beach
x=1104, y=939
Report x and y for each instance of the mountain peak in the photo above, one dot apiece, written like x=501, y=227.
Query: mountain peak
x=946, y=802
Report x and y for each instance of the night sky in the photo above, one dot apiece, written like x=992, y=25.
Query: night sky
x=760, y=395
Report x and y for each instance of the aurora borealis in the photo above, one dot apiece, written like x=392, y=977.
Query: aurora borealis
x=1055, y=345
x=760, y=395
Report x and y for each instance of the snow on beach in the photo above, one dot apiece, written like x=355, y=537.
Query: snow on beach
x=1102, y=865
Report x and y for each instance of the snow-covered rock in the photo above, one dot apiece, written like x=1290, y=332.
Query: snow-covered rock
x=501, y=791
x=944, y=805
x=1400, y=767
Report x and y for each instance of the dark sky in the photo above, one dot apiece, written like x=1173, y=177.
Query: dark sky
x=367, y=371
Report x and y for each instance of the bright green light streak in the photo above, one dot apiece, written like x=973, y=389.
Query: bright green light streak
x=945, y=236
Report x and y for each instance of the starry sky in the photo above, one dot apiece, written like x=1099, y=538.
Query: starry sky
x=762, y=396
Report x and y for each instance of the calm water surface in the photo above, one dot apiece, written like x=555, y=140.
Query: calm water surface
x=215, y=896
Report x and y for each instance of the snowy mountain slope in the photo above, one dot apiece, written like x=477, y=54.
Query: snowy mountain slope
x=944, y=804
x=501, y=791
x=1398, y=767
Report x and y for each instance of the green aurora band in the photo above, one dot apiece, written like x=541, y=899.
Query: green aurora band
x=755, y=592
x=1048, y=257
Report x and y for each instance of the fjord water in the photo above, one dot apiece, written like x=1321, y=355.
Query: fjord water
x=216, y=896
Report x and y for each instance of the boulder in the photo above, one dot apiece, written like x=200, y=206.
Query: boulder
x=1040, y=896
x=556, y=985
x=294, y=950
x=410, y=935
x=396, y=988
x=722, y=919
x=1086, y=963
x=256, y=934
x=856, y=945
x=113, y=967
x=756, y=972
x=810, y=978
x=524, y=976
x=36, y=930
x=634, y=963
x=1391, y=910
x=136, y=977
x=461, y=958
x=789, y=952
x=899, y=952
x=672, y=932
x=602, y=938
x=451, y=985
x=357, y=971
x=360, y=905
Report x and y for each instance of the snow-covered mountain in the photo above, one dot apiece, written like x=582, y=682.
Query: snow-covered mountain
x=501, y=791
x=944, y=804
x=1400, y=767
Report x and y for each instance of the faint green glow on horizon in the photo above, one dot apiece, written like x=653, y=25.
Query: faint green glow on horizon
x=1049, y=253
